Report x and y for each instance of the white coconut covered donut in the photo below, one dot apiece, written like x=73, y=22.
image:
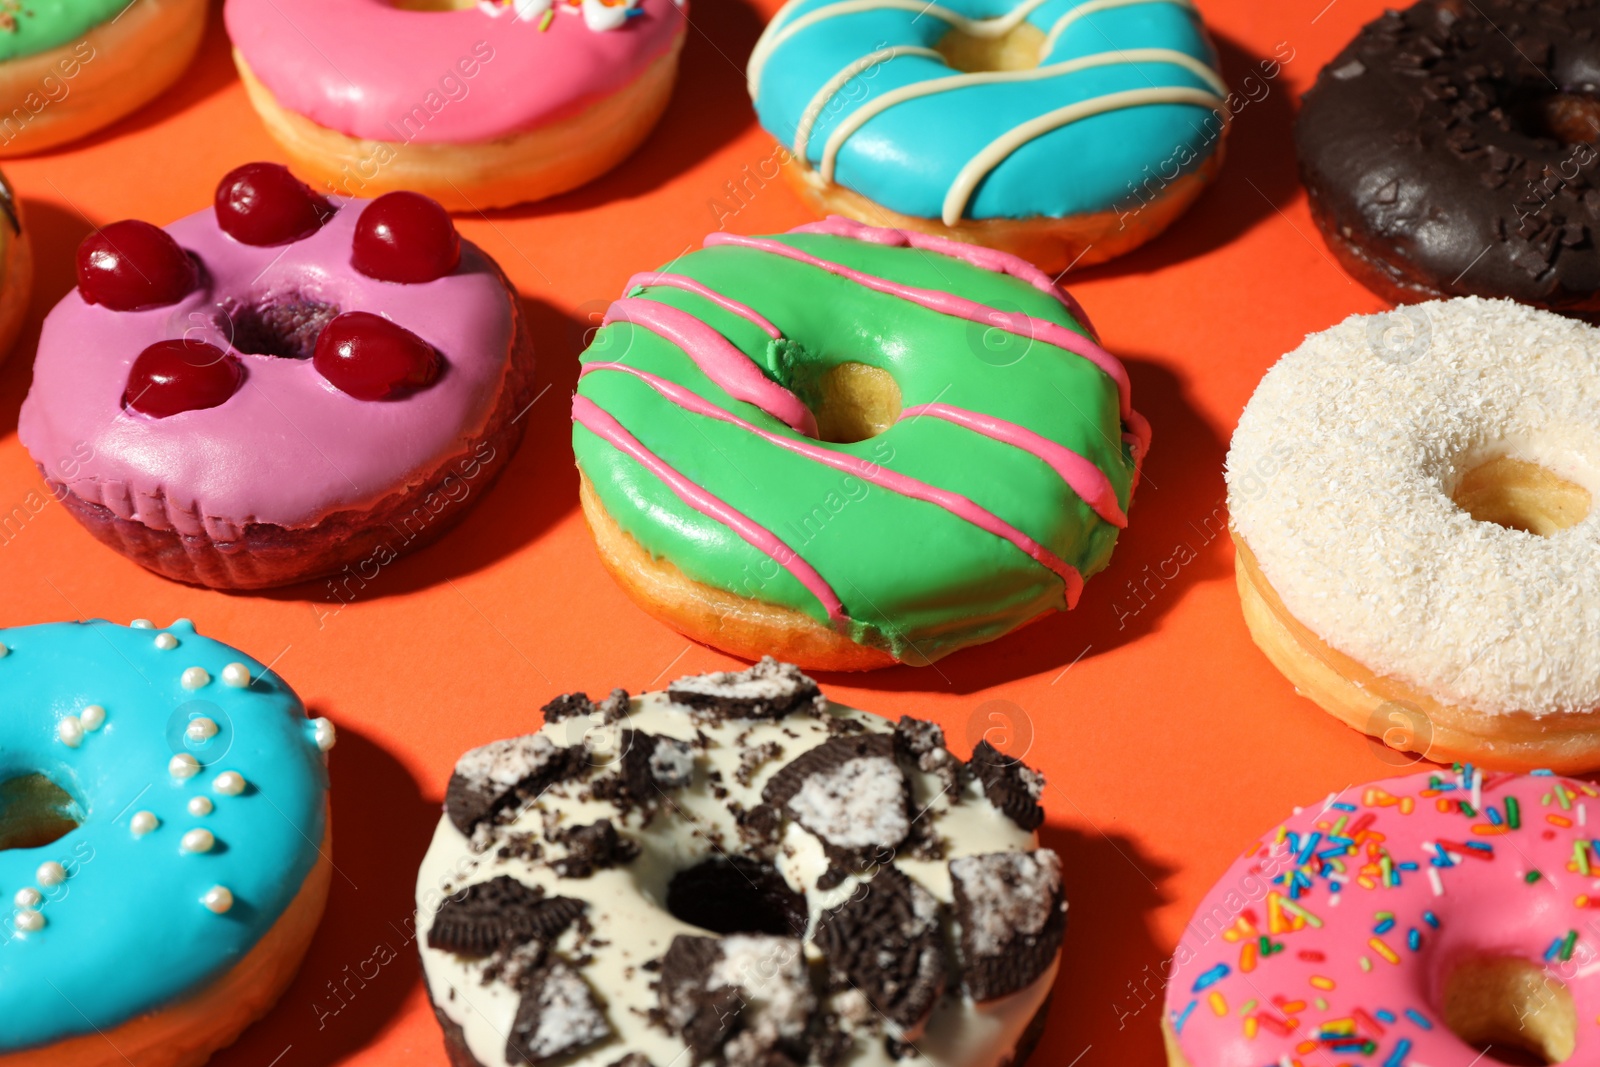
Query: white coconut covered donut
x=737, y=872
x=1410, y=497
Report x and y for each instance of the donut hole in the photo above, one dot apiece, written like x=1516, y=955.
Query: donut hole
x=737, y=896
x=34, y=811
x=1520, y=495
x=1021, y=48
x=284, y=327
x=855, y=401
x=1512, y=1010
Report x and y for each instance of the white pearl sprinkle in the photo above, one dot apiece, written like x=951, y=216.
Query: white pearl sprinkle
x=29, y=921
x=142, y=624
x=28, y=898
x=183, y=765
x=4, y=651
x=218, y=899
x=198, y=841
x=166, y=642
x=50, y=873
x=143, y=822
x=228, y=783
x=201, y=729
x=200, y=806
x=92, y=717
x=236, y=675
x=70, y=731
x=323, y=733
x=195, y=678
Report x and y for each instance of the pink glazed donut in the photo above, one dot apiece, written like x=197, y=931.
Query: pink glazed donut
x=283, y=387
x=1413, y=922
x=485, y=106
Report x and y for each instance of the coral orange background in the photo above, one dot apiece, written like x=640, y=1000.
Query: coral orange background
x=1168, y=740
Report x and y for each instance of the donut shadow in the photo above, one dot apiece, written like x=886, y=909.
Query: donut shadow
x=1176, y=537
x=537, y=488
x=1108, y=995
x=709, y=109
x=1258, y=176
x=54, y=233
x=363, y=966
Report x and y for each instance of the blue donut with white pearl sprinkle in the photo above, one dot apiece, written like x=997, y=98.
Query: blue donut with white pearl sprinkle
x=163, y=798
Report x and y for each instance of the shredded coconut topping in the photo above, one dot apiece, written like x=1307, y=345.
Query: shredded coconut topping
x=1340, y=480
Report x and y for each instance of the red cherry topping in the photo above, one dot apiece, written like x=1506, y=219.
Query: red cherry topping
x=174, y=376
x=371, y=358
x=132, y=266
x=263, y=204
x=405, y=237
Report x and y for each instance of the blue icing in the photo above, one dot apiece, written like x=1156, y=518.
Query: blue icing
x=126, y=933
x=907, y=157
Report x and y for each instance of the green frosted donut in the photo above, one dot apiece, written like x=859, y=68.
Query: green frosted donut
x=1001, y=483
x=28, y=27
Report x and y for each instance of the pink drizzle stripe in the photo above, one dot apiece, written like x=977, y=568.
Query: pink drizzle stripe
x=949, y=304
x=955, y=503
x=722, y=362
x=689, y=285
x=985, y=258
x=1082, y=476
x=590, y=416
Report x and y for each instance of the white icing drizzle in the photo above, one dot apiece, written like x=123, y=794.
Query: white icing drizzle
x=143, y=822
x=830, y=89
x=236, y=675
x=195, y=678
x=92, y=717
x=218, y=900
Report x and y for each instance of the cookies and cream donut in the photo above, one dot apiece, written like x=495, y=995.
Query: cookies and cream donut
x=1449, y=150
x=163, y=843
x=1065, y=131
x=71, y=67
x=476, y=105
x=279, y=387
x=1445, y=917
x=1411, y=500
x=852, y=446
x=736, y=871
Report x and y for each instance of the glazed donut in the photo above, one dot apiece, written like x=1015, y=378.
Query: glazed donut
x=738, y=872
x=70, y=68
x=1445, y=158
x=1410, y=496
x=1411, y=921
x=284, y=387
x=853, y=445
x=164, y=845
x=1064, y=131
x=16, y=268
x=478, y=106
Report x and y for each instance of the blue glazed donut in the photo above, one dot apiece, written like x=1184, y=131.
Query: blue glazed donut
x=1061, y=130
x=199, y=787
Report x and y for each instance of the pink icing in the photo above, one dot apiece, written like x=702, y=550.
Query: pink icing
x=689, y=285
x=958, y=505
x=593, y=418
x=716, y=356
x=1082, y=476
x=362, y=66
x=1399, y=875
x=288, y=448
x=1021, y=324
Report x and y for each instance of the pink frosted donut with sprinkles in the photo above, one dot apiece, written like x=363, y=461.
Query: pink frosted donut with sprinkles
x=1441, y=919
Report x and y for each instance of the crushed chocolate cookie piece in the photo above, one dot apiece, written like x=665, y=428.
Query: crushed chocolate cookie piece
x=592, y=848
x=848, y=791
x=886, y=941
x=1013, y=914
x=649, y=765
x=520, y=846
x=499, y=913
x=1011, y=785
x=671, y=763
x=745, y=996
x=513, y=965
x=761, y=827
x=752, y=758
x=568, y=706
x=558, y=1014
x=502, y=775
x=921, y=744
x=614, y=707
x=899, y=1050
x=843, y=726
x=830, y=1043
x=768, y=690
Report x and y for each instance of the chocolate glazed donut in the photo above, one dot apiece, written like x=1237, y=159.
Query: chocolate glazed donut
x=1453, y=149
